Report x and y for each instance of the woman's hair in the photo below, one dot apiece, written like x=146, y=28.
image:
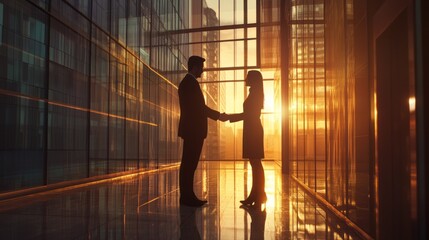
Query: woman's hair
x=255, y=80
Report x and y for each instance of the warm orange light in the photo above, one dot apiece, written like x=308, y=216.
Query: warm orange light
x=412, y=104
x=54, y=103
x=269, y=105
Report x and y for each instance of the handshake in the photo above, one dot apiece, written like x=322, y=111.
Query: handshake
x=224, y=117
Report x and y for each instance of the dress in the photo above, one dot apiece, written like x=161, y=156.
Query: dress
x=253, y=133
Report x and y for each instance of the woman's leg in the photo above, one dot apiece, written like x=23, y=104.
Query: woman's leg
x=258, y=186
x=257, y=194
x=254, y=183
x=251, y=196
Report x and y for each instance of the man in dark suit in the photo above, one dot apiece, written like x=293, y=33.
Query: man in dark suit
x=192, y=128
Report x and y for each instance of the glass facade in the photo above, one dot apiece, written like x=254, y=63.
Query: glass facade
x=88, y=88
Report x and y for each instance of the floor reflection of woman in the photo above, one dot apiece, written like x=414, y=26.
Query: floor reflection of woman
x=257, y=226
x=253, y=136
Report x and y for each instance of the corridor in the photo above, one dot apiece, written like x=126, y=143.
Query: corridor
x=119, y=209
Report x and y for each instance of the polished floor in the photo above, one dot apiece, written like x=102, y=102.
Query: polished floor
x=147, y=207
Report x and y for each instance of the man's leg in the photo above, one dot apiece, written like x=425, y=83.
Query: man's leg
x=196, y=153
x=191, y=155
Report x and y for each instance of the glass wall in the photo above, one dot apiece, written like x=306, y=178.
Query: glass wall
x=88, y=88
x=23, y=81
x=323, y=115
x=307, y=94
x=352, y=110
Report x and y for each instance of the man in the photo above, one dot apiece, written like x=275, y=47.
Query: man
x=192, y=129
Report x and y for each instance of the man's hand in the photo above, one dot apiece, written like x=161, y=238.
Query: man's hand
x=223, y=117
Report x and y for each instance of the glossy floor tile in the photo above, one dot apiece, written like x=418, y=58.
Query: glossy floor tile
x=147, y=207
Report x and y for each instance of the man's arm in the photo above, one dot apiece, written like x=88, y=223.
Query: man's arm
x=213, y=114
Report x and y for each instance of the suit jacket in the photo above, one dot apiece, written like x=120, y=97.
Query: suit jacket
x=193, y=109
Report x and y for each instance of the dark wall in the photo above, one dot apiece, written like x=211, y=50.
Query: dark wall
x=424, y=85
x=393, y=151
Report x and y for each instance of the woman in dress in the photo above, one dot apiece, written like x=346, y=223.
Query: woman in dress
x=253, y=136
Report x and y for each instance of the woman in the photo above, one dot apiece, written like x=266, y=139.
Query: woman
x=253, y=136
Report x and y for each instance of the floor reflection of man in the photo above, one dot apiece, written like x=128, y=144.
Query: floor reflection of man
x=188, y=224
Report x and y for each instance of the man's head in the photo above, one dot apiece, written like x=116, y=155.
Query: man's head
x=195, y=65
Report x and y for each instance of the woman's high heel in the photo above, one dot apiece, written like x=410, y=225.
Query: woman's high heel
x=248, y=201
x=258, y=203
x=258, y=200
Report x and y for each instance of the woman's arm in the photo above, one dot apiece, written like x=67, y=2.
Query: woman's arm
x=252, y=110
x=235, y=117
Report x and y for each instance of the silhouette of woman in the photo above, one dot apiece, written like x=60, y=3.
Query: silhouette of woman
x=253, y=136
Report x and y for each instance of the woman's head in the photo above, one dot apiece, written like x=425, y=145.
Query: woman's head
x=254, y=78
x=254, y=81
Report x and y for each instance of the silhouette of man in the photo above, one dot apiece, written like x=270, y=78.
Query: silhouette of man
x=192, y=129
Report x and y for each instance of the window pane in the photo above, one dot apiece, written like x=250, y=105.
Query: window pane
x=226, y=12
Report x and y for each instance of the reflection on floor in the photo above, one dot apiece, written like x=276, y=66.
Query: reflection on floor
x=146, y=207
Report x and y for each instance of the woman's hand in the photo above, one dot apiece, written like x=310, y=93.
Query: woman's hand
x=223, y=117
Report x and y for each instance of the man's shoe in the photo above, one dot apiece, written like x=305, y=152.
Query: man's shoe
x=202, y=201
x=193, y=203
